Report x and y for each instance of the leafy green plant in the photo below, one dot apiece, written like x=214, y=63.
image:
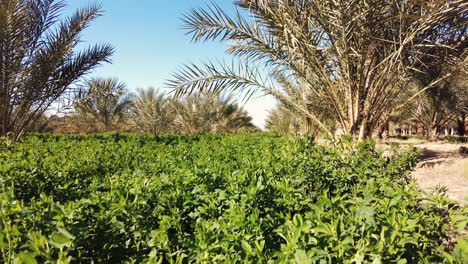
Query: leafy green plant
x=455, y=139
x=254, y=198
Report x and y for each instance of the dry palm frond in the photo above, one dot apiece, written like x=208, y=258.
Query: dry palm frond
x=208, y=112
x=153, y=112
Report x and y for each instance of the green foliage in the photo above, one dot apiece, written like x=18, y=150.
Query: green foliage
x=345, y=60
x=152, y=111
x=286, y=121
x=210, y=113
x=456, y=139
x=254, y=198
x=103, y=105
x=39, y=59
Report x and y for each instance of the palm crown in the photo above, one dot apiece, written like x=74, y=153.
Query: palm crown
x=38, y=60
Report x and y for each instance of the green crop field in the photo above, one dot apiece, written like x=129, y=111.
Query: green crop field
x=257, y=198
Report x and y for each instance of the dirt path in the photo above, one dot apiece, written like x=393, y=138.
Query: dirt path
x=444, y=164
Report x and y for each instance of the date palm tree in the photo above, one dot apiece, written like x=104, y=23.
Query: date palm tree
x=38, y=58
x=460, y=86
x=283, y=120
x=355, y=56
x=440, y=106
x=153, y=112
x=209, y=113
x=434, y=109
x=104, y=104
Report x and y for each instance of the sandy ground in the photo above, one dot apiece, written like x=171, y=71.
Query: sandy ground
x=441, y=164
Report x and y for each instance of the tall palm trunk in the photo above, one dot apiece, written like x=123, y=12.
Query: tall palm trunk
x=363, y=130
x=4, y=119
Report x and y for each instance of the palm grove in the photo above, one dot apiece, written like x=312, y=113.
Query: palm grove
x=41, y=70
x=350, y=66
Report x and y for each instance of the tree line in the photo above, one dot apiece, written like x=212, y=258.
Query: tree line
x=335, y=67
x=40, y=68
x=106, y=105
x=441, y=110
x=349, y=66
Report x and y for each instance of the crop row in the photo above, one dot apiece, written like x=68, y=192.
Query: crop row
x=218, y=198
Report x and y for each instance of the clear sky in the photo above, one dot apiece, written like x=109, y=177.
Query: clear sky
x=150, y=44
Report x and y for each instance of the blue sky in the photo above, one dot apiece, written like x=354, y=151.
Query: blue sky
x=150, y=44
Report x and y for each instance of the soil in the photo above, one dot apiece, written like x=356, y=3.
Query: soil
x=440, y=164
x=444, y=164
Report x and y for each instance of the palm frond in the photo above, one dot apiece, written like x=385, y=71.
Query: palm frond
x=218, y=76
x=353, y=55
x=42, y=63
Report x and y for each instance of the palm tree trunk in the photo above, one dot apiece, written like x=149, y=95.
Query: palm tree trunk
x=383, y=130
x=3, y=121
x=4, y=109
x=398, y=132
x=461, y=124
x=420, y=131
x=363, y=130
x=433, y=134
